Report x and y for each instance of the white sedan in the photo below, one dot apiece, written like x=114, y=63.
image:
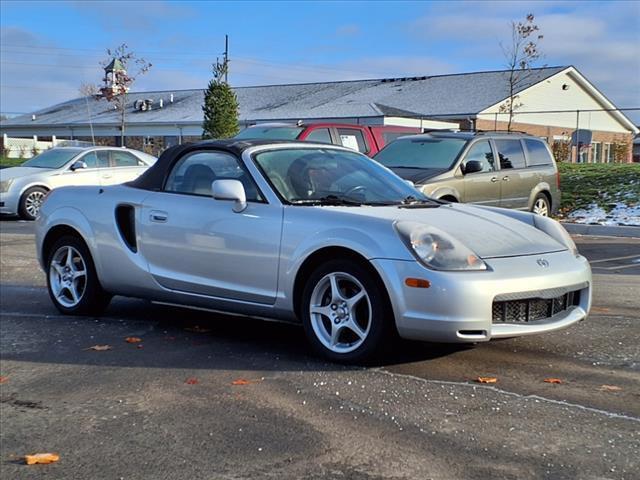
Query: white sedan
x=23, y=188
x=315, y=234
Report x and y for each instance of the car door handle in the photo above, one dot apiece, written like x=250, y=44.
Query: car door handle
x=158, y=216
x=505, y=179
x=494, y=179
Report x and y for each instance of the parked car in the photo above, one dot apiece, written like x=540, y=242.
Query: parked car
x=23, y=188
x=317, y=234
x=363, y=138
x=511, y=170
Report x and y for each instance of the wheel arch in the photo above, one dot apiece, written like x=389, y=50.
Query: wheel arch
x=316, y=258
x=444, y=193
x=545, y=189
x=53, y=235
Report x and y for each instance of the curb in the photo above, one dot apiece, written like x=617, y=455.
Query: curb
x=601, y=230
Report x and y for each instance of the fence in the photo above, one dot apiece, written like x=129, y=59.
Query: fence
x=29, y=147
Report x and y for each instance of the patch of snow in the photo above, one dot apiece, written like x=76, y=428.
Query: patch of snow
x=621, y=214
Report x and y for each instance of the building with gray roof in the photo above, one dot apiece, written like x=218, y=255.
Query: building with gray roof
x=472, y=100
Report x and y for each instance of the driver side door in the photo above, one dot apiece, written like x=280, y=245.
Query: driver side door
x=194, y=243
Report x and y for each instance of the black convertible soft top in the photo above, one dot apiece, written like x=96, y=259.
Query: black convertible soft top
x=153, y=178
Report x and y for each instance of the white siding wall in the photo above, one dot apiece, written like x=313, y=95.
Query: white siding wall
x=549, y=95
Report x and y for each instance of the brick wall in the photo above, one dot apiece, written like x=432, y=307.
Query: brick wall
x=549, y=132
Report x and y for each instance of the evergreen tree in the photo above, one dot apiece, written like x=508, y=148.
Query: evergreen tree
x=220, y=106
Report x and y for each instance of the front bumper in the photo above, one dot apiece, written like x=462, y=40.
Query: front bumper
x=457, y=307
x=9, y=203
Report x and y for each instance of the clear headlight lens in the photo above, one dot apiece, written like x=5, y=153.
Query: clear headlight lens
x=5, y=184
x=555, y=231
x=437, y=249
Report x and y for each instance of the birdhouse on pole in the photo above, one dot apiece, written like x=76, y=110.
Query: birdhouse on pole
x=115, y=79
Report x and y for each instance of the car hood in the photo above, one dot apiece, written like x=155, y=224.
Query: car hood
x=19, y=172
x=418, y=175
x=488, y=233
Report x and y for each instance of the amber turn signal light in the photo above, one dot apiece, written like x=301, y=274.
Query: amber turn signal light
x=417, y=283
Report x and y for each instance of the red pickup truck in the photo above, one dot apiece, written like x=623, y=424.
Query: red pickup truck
x=363, y=138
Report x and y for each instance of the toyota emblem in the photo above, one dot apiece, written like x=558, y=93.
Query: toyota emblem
x=542, y=262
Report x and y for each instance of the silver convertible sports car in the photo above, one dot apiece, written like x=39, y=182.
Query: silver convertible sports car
x=312, y=233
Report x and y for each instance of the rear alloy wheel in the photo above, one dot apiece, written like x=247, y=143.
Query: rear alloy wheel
x=541, y=205
x=72, y=280
x=344, y=312
x=31, y=201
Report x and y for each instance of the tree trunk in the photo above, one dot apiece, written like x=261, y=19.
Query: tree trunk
x=123, y=106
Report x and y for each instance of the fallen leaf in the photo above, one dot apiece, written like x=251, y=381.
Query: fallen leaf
x=192, y=381
x=600, y=310
x=100, y=348
x=486, y=380
x=240, y=381
x=197, y=329
x=610, y=388
x=133, y=340
x=552, y=380
x=41, y=458
x=3, y=379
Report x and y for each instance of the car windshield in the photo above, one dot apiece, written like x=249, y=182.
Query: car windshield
x=54, y=158
x=422, y=152
x=271, y=133
x=325, y=176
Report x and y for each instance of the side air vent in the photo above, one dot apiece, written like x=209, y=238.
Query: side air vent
x=125, y=219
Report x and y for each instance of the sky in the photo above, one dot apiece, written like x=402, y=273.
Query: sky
x=49, y=48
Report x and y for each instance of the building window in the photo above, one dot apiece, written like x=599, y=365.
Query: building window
x=607, y=156
x=596, y=156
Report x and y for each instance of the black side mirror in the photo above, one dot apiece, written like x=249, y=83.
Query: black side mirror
x=473, y=166
x=78, y=165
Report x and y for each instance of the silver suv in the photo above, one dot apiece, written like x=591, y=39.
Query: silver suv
x=462, y=167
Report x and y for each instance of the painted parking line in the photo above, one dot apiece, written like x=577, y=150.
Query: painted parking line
x=603, y=260
x=617, y=267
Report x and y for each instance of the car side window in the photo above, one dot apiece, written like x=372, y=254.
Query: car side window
x=103, y=158
x=354, y=139
x=537, y=152
x=510, y=153
x=320, y=135
x=90, y=159
x=194, y=173
x=481, y=152
x=125, y=159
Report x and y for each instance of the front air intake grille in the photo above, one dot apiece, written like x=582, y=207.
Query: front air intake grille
x=528, y=310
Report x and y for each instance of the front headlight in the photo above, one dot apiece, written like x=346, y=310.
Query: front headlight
x=437, y=249
x=555, y=231
x=5, y=184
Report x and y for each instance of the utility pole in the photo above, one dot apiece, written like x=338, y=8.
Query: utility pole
x=226, y=59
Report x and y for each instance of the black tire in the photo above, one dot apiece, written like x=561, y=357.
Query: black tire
x=381, y=334
x=30, y=199
x=541, y=204
x=93, y=299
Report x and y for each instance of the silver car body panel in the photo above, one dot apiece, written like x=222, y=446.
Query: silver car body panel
x=206, y=256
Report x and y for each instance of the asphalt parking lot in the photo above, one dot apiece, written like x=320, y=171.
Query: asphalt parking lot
x=206, y=396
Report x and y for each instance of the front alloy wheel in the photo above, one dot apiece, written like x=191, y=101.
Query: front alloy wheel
x=340, y=312
x=345, y=312
x=541, y=205
x=31, y=202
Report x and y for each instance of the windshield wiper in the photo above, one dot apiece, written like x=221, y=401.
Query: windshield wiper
x=327, y=200
x=411, y=200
